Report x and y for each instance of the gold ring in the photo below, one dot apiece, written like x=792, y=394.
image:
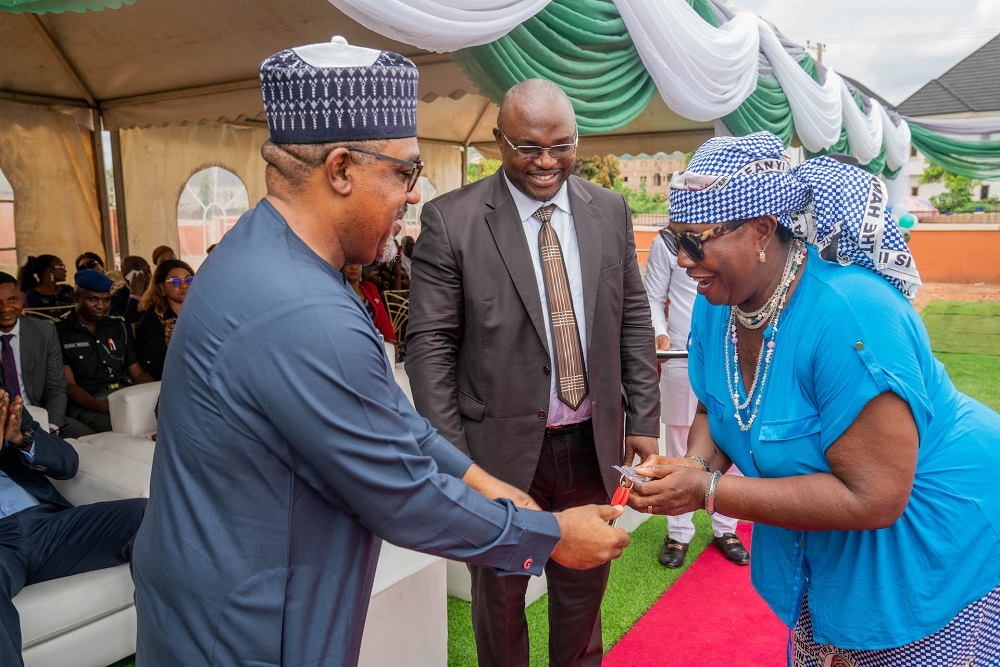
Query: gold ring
x=649, y=509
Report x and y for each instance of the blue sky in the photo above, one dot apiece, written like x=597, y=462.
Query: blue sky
x=892, y=46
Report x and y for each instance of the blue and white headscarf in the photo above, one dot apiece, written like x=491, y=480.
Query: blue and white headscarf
x=837, y=207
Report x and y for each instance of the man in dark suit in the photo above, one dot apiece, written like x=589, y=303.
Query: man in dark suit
x=484, y=368
x=37, y=360
x=42, y=536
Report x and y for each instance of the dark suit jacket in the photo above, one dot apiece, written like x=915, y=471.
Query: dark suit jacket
x=42, y=368
x=477, y=355
x=54, y=457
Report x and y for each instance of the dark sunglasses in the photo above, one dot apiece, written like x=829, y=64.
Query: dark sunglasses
x=177, y=282
x=558, y=152
x=693, y=244
x=89, y=264
x=411, y=175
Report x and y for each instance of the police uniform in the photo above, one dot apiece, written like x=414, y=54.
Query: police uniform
x=99, y=361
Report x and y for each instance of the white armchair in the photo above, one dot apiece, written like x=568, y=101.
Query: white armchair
x=88, y=620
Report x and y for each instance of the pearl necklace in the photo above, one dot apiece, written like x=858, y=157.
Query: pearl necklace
x=765, y=313
x=796, y=255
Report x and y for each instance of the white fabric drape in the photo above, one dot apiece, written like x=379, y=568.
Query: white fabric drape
x=441, y=25
x=864, y=130
x=701, y=72
x=897, y=141
x=816, y=110
x=977, y=126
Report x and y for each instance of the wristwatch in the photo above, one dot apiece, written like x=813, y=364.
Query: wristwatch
x=28, y=437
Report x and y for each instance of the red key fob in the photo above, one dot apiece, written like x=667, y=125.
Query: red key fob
x=620, y=499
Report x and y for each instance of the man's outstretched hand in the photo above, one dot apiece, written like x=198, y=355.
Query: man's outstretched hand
x=587, y=540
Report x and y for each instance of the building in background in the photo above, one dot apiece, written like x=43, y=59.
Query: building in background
x=970, y=89
x=653, y=171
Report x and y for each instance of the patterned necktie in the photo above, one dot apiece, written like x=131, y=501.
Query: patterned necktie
x=571, y=377
x=9, y=368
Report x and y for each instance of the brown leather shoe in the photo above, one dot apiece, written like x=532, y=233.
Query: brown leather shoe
x=673, y=552
x=732, y=549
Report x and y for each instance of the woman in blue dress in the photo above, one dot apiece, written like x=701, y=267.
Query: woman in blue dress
x=870, y=478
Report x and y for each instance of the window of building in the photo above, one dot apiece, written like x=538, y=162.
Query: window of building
x=913, y=151
x=915, y=191
x=657, y=180
x=642, y=182
x=8, y=242
x=984, y=191
x=624, y=179
x=210, y=204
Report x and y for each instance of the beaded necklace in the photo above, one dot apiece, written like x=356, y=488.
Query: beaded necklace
x=796, y=255
x=765, y=313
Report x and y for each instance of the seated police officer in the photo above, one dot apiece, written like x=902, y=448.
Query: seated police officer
x=99, y=353
x=43, y=536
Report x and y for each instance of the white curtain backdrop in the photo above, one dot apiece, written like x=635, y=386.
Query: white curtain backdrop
x=441, y=25
x=701, y=72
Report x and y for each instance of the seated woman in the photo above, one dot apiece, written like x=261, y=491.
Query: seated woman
x=370, y=299
x=41, y=281
x=89, y=260
x=159, y=308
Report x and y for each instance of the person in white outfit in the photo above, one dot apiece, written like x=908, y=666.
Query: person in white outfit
x=666, y=281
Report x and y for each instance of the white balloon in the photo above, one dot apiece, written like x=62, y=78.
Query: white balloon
x=899, y=210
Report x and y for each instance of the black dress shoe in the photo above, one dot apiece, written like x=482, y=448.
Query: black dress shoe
x=733, y=549
x=673, y=552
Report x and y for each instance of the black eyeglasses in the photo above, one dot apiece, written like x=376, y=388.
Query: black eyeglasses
x=177, y=282
x=411, y=176
x=558, y=152
x=693, y=244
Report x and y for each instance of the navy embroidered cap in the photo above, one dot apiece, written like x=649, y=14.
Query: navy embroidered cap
x=335, y=92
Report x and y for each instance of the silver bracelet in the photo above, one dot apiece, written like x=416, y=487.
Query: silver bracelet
x=710, y=492
x=700, y=461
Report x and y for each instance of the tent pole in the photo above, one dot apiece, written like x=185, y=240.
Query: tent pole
x=120, y=218
x=100, y=177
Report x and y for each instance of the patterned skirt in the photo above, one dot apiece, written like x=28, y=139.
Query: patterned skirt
x=971, y=639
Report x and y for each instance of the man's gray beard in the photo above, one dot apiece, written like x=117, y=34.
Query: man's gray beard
x=388, y=253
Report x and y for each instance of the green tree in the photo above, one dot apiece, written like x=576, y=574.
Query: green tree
x=958, y=195
x=481, y=169
x=600, y=169
x=641, y=201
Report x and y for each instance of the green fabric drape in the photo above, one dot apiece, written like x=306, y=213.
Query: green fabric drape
x=704, y=10
x=766, y=109
x=59, y=6
x=580, y=45
x=978, y=160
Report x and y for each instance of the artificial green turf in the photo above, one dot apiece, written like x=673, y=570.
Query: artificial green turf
x=637, y=580
x=965, y=337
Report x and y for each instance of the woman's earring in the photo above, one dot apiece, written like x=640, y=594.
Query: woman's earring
x=761, y=257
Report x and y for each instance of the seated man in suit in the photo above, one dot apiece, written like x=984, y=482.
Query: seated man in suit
x=42, y=536
x=32, y=360
x=99, y=354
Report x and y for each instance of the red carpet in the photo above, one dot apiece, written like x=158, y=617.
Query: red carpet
x=710, y=617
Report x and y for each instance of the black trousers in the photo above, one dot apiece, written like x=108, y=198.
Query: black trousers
x=568, y=475
x=46, y=542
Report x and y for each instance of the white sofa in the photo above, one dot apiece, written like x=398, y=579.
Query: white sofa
x=88, y=620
